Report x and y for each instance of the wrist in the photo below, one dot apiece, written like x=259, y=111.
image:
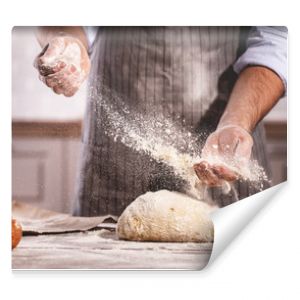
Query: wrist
x=234, y=125
x=235, y=121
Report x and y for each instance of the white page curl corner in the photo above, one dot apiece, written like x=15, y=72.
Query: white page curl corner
x=231, y=220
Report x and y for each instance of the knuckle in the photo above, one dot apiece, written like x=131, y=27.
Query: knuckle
x=56, y=90
x=72, y=69
x=50, y=83
x=69, y=94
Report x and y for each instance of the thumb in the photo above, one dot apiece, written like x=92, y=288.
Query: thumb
x=55, y=47
x=47, y=61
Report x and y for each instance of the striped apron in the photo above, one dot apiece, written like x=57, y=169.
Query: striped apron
x=174, y=72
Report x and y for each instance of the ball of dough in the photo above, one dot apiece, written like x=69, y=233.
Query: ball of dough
x=165, y=216
x=16, y=233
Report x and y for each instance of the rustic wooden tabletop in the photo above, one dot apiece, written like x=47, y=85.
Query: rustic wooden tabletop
x=100, y=249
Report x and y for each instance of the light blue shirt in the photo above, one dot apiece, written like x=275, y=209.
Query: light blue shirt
x=266, y=46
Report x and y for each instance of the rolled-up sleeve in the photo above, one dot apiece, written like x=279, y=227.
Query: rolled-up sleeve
x=266, y=46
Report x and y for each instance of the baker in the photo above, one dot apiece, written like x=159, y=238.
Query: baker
x=216, y=80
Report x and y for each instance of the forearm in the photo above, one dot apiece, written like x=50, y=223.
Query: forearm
x=256, y=91
x=46, y=33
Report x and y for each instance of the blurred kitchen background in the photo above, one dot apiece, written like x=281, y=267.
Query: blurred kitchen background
x=46, y=131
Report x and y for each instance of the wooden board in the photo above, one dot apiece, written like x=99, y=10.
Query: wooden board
x=101, y=249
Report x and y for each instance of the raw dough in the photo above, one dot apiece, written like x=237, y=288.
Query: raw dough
x=166, y=216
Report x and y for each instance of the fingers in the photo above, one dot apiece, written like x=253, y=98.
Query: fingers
x=46, y=62
x=37, y=59
x=66, y=89
x=224, y=173
x=65, y=82
x=62, y=77
x=45, y=70
x=63, y=65
x=214, y=175
x=205, y=173
x=54, y=49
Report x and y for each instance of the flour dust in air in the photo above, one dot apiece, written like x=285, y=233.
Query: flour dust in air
x=165, y=140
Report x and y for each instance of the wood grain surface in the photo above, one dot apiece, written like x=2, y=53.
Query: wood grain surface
x=101, y=249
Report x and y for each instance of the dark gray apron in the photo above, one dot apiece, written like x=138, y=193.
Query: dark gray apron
x=183, y=72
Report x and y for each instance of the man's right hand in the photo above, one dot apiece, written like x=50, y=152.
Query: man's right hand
x=226, y=153
x=63, y=64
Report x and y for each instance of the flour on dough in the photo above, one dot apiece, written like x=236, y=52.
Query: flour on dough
x=166, y=216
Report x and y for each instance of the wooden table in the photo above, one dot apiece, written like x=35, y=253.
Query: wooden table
x=100, y=249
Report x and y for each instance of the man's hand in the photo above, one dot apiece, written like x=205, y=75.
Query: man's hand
x=231, y=143
x=63, y=64
x=226, y=150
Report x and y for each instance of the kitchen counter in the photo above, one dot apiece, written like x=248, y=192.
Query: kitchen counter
x=100, y=249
